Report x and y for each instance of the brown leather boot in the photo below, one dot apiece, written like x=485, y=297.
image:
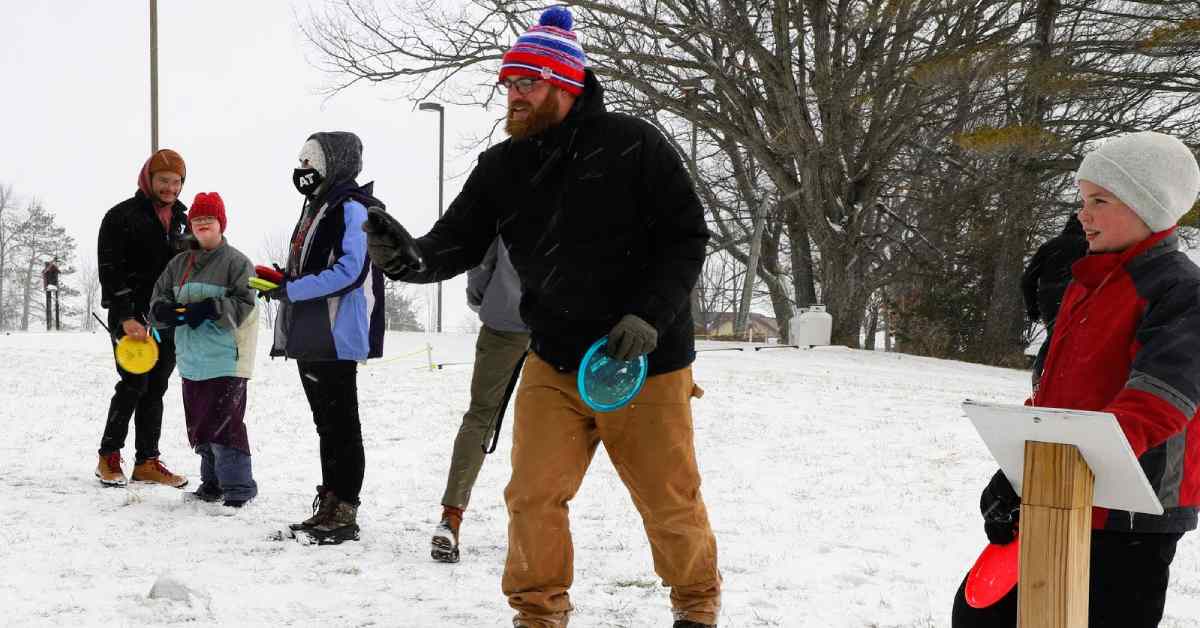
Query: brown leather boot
x=322, y=507
x=151, y=470
x=109, y=470
x=444, y=546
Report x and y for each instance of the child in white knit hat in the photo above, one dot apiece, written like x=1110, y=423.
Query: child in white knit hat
x=1126, y=341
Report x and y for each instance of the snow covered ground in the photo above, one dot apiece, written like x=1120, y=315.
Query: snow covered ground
x=842, y=486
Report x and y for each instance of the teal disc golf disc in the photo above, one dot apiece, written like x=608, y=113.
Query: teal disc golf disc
x=606, y=384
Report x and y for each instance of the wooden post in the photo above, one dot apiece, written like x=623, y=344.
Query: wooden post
x=1056, y=535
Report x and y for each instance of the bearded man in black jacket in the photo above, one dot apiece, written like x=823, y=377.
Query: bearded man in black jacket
x=137, y=238
x=608, y=237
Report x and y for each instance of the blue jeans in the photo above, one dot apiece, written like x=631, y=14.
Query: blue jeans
x=228, y=469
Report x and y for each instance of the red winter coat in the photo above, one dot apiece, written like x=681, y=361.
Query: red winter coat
x=1127, y=341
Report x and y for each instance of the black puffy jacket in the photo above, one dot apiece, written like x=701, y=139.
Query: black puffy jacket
x=132, y=251
x=601, y=221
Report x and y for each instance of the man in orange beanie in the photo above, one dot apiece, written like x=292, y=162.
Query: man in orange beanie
x=137, y=238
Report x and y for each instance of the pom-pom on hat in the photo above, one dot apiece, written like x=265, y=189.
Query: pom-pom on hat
x=548, y=51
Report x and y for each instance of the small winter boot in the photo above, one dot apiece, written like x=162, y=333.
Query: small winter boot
x=687, y=623
x=109, y=470
x=152, y=470
x=444, y=546
x=341, y=524
x=322, y=506
x=206, y=492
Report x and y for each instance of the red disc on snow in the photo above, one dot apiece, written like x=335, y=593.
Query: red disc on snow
x=268, y=273
x=994, y=574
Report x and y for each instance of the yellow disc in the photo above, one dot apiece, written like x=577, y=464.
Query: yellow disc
x=258, y=283
x=137, y=356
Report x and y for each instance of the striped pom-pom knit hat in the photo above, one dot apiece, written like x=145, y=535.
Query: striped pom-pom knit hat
x=548, y=51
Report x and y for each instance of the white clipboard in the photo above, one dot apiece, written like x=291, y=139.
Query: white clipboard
x=1120, y=482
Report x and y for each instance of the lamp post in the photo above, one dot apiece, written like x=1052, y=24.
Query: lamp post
x=441, y=111
x=153, y=76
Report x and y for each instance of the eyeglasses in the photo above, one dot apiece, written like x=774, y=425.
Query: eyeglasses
x=523, y=85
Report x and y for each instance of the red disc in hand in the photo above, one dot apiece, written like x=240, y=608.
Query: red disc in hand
x=994, y=574
x=268, y=273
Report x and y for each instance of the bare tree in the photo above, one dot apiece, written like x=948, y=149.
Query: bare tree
x=89, y=281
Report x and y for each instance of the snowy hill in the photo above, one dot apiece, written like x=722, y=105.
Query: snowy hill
x=842, y=485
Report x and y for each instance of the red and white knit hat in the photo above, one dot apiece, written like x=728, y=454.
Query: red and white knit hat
x=548, y=51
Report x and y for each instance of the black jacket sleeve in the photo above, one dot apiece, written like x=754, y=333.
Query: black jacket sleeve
x=678, y=234
x=459, y=239
x=1029, y=284
x=116, y=294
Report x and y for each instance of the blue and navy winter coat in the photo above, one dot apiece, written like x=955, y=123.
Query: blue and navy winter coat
x=336, y=309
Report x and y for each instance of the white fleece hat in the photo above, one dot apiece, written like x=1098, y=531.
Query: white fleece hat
x=315, y=156
x=1154, y=174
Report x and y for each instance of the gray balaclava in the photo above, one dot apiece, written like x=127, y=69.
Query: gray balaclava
x=337, y=155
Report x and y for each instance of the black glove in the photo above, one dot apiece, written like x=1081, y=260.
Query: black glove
x=1001, y=508
x=164, y=313
x=631, y=337
x=390, y=246
x=196, y=313
x=278, y=294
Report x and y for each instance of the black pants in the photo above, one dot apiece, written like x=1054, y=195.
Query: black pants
x=332, y=391
x=139, y=397
x=1128, y=585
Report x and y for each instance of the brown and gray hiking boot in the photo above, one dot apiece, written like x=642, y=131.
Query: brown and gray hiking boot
x=444, y=546
x=323, y=504
x=151, y=470
x=341, y=524
x=109, y=470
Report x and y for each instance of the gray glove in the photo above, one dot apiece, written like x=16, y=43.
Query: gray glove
x=630, y=338
x=389, y=245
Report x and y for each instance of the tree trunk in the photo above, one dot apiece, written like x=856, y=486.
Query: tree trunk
x=1001, y=338
x=743, y=314
x=842, y=287
x=803, y=278
x=872, y=328
x=27, y=295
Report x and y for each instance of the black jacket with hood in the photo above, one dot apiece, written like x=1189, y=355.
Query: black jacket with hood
x=133, y=249
x=601, y=221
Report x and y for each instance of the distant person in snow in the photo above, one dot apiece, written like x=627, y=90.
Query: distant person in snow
x=204, y=296
x=330, y=319
x=494, y=291
x=50, y=274
x=137, y=239
x=608, y=237
x=1126, y=340
x=1046, y=277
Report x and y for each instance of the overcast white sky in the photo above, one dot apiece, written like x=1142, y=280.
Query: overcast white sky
x=237, y=98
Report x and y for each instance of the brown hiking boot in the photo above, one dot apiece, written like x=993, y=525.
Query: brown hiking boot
x=444, y=546
x=109, y=470
x=322, y=506
x=151, y=470
x=340, y=525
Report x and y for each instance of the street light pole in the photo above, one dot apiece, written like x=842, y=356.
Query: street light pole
x=441, y=111
x=153, y=76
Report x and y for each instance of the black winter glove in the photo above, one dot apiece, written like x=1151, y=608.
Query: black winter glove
x=196, y=313
x=1001, y=508
x=277, y=294
x=165, y=313
x=630, y=338
x=390, y=246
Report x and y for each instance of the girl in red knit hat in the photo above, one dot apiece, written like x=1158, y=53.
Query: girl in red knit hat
x=204, y=294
